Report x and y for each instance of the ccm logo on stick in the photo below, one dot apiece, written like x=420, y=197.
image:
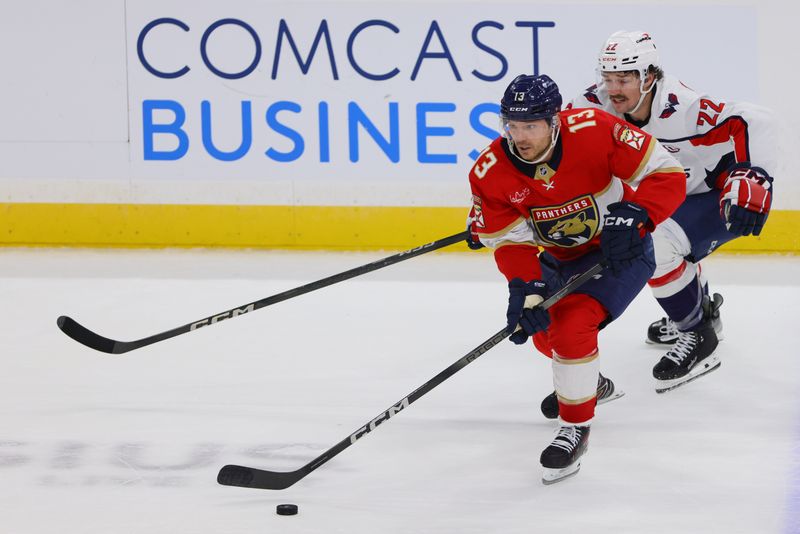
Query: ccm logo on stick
x=385, y=416
x=222, y=317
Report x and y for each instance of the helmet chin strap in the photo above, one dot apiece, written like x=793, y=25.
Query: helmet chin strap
x=642, y=94
x=556, y=129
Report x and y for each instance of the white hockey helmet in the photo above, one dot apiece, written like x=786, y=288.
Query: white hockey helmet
x=627, y=51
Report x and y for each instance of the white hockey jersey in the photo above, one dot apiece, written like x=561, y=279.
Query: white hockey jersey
x=706, y=135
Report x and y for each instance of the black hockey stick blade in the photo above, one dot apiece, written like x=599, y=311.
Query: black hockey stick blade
x=246, y=477
x=95, y=341
x=83, y=335
x=251, y=477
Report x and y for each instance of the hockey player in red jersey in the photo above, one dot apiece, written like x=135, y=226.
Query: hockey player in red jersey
x=727, y=150
x=587, y=187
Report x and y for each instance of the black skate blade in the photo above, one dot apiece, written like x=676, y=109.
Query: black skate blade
x=690, y=379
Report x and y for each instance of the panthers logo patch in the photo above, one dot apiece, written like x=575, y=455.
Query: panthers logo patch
x=568, y=225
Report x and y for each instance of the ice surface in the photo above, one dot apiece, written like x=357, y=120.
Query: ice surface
x=93, y=443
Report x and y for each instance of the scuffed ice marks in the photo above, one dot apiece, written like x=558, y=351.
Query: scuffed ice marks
x=152, y=464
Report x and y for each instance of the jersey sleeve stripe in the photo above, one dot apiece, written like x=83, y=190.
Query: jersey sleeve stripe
x=644, y=161
x=733, y=128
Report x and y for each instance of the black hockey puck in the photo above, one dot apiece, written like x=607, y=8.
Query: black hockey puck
x=287, y=509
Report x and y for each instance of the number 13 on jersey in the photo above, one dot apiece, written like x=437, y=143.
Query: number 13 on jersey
x=485, y=161
x=582, y=119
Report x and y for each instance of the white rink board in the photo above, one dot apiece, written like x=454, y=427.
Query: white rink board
x=73, y=128
x=446, y=72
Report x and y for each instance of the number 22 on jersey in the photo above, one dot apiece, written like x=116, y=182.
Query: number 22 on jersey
x=711, y=117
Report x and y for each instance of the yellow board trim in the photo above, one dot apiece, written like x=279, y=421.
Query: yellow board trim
x=288, y=227
x=779, y=235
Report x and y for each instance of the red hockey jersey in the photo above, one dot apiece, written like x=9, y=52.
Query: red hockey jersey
x=560, y=204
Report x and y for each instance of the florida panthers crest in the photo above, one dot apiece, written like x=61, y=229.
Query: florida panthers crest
x=568, y=225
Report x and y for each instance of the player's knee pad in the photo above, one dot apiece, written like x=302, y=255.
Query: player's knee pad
x=676, y=280
x=575, y=323
x=671, y=246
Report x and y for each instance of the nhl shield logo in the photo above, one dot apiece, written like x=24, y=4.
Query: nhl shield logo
x=568, y=225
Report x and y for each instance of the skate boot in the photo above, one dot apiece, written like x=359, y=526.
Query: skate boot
x=606, y=392
x=664, y=331
x=562, y=458
x=692, y=355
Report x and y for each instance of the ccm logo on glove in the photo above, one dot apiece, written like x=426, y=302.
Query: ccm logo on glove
x=621, y=241
x=621, y=221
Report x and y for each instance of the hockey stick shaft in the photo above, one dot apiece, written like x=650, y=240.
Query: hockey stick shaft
x=91, y=339
x=248, y=477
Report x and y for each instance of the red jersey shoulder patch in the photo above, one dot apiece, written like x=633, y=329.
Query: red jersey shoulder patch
x=632, y=138
x=477, y=211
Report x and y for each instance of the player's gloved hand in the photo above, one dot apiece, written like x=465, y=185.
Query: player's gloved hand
x=746, y=199
x=621, y=240
x=525, y=316
x=473, y=241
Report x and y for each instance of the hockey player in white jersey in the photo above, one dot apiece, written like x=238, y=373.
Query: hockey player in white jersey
x=728, y=152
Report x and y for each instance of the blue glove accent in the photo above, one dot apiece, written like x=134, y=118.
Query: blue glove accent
x=621, y=241
x=742, y=221
x=530, y=320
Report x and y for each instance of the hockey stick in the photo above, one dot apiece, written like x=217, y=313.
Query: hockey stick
x=249, y=477
x=87, y=337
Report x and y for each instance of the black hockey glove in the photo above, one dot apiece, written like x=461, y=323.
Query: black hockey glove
x=621, y=241
x=524, y=310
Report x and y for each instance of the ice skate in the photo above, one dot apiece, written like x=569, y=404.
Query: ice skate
x=691, y=357
x=606, y=392
x=562, y=458
x=664, y=332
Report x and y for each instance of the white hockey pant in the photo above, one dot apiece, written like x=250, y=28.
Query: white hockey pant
x=677, y=284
